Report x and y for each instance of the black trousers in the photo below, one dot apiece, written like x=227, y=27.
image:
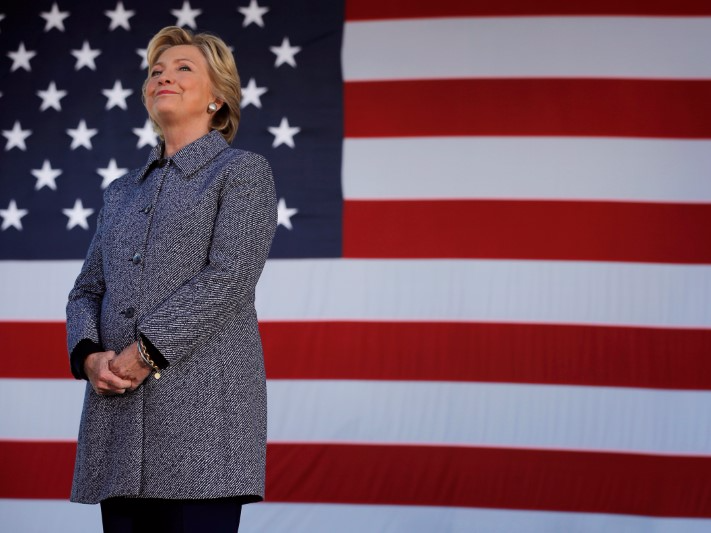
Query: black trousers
x=148, y=515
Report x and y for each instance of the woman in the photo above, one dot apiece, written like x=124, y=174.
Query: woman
x=167, y=290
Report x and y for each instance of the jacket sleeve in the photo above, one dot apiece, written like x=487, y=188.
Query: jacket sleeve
x=84, y=306
x=242, y=236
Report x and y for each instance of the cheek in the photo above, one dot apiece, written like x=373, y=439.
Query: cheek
x=190, y=84
x=196, y=87
x=150, y=88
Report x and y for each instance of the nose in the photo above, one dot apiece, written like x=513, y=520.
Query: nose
x=164, y=79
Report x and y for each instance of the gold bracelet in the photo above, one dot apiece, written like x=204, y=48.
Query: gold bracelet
x=143, y=352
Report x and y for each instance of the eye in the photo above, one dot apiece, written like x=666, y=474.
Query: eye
x=184, y=67
x=156, y=73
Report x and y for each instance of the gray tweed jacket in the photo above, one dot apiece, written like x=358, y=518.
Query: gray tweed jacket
x=176, y=257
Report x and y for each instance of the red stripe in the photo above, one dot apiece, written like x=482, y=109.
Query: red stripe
x=401, y=9
x=508, y=353
x=423, y=351
x=430, y=475
x=555, y=107
x=510, y=229
x=36, y=470
x=34, y=350
x=490, y=477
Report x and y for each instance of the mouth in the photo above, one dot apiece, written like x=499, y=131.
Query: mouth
x=165, y=92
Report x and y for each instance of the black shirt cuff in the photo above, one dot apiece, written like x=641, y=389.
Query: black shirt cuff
x=79, y=354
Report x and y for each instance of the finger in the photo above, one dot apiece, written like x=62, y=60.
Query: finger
x=110, y=382
x=115, y=375
x=115, y=382
x=114, y=369
x=111, y=392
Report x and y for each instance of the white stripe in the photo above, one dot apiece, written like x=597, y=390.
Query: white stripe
x=40, y=516
x=36, y=290
x=564, y=292
x=438, y=413
x=491, y=414
x=519, y=47
x=40, y=409
x=559, y=168
x=322, y=518
x=502, y=291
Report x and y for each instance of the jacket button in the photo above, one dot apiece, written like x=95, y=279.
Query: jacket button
x=129, y=313
x=137, y=259
x=146, y=210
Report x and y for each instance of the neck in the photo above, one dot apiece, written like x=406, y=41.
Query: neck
x=177, y=138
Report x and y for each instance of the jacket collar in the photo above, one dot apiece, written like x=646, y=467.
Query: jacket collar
x=190, y=158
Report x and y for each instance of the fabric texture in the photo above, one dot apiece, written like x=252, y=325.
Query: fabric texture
x=179, y=247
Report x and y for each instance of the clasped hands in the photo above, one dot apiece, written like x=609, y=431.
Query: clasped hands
x=111, y=374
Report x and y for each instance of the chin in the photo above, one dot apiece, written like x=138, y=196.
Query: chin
x=163, y=101
x=163, y=109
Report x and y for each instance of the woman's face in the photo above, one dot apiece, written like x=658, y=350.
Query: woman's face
x=179, y=89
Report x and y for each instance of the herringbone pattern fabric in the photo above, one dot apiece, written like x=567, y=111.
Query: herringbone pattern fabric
x=182, y=245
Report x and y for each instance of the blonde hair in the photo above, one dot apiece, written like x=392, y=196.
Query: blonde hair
x=221, y=67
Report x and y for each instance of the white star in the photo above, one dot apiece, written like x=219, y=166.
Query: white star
x=12, y=216
x=144, y=59
x=85, y=56
x=117, y=95
x=186, y=15
x=51, y=97
x=54, y=18
x=251, y=94
x=284, y=214
x=16, y=137
x=119, y=17
x=21, y=58
x=253, y=13
x=81, y=136
x=46, y=176
x=77, y=215
x=284, y=134
x=285, y=53
x=110, y=173
x=146, y=135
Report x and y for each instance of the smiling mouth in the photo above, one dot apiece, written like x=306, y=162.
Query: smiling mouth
x=165, y=92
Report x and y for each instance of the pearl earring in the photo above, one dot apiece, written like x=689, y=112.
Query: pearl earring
x=212, y=107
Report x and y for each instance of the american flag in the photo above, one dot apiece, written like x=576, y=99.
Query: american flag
x=488, y=303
